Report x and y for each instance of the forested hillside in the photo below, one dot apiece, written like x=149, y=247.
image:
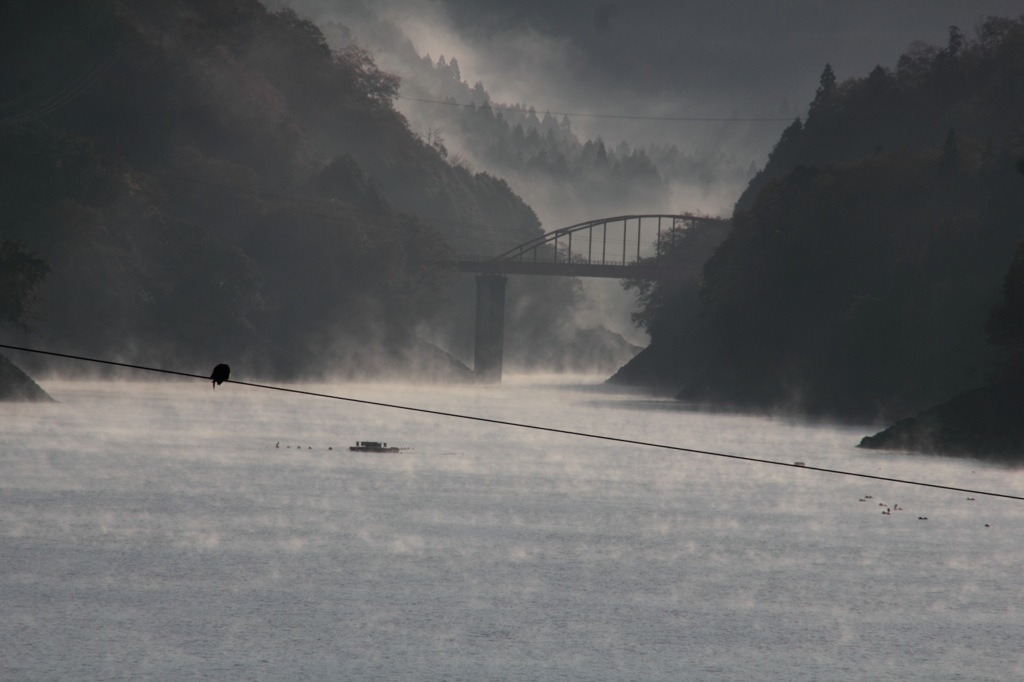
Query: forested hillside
x=868, y=254
x=542, y=156
x=208, y=180
x=565, y=174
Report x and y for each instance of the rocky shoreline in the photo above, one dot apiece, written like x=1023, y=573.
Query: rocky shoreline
x=16, y=386
x=986, y=423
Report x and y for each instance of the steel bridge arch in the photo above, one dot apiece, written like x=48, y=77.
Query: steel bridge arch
x=519, y=253
x=594, y=254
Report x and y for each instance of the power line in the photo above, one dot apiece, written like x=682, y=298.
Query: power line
x=67, y=94
x=635, y=117
x=392, y=213
x=501, y=241
x=520, y=425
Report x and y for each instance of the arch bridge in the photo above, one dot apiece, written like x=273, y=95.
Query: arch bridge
x=606, y=247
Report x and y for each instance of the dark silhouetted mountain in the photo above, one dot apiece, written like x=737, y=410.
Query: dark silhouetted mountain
x=210, y=178
x=865, y=258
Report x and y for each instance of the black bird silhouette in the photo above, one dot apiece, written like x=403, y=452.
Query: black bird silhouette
x=220, y=374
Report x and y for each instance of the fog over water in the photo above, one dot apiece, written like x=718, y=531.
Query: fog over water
x=154, y=531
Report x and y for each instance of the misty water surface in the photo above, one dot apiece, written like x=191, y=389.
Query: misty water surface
x=154, y=531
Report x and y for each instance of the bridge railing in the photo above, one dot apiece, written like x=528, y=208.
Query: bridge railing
x=593, y=242
x=607, y=247
x=471, y=258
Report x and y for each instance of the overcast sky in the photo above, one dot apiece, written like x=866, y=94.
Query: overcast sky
x=740, y=48
x=675, y=57
x=668, y=58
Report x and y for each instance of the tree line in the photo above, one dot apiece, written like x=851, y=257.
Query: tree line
x=516, y=140
x=187, y=180
x=870, y=272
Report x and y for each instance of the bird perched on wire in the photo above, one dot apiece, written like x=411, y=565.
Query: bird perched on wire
x=220, y=374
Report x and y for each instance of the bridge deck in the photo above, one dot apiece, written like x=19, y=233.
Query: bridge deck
x=608, y=247
x=607, y=270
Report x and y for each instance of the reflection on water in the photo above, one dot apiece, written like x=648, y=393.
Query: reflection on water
x=166, y=531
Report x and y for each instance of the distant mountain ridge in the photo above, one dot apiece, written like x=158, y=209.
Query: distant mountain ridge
x=528, y=146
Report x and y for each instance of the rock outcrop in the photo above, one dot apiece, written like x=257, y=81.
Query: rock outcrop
x=987, y=423
x=16, y=386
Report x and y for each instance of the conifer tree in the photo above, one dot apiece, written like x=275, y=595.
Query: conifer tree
x=826, y=88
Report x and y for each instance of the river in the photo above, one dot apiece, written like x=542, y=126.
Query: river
x=168, y=531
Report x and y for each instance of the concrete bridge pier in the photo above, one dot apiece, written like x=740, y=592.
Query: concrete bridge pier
x=490, y=327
